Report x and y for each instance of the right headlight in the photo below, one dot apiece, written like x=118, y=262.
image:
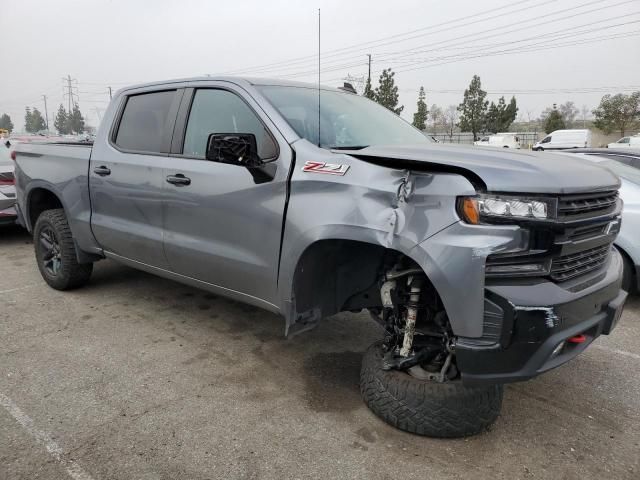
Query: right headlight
x=487, y=206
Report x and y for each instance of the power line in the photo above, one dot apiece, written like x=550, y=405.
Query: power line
x=473, y=37
x=368, y=44
x=258, y=70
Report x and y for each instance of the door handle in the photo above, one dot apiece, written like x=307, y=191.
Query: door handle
x=179, y=180
x=102, y=171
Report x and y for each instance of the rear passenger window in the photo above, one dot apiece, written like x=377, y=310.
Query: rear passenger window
x=143, y=121
x=220, y=111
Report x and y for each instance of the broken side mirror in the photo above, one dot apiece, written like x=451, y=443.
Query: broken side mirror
x=233, y=148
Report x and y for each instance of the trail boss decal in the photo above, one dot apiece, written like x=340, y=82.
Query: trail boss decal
x=329, y=168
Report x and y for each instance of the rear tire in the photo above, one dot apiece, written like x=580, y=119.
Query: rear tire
x=444, y=410
x=56, y=252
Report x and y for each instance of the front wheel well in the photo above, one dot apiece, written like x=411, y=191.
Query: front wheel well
x=342, y=275
x=41, y=199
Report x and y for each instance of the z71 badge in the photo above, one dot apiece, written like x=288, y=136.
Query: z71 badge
x=329, y=168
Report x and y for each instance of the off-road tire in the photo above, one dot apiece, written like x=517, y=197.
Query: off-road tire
x=444, y=410
x=71, y=274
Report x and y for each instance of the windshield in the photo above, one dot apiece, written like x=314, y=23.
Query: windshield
x=346, y=120
x=627, y=172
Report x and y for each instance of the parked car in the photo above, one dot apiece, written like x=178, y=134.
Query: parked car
x=7, y=183
x=482, y=266
x=626, y=142
x=563, y=139
x=625, y=164
x=499, y=140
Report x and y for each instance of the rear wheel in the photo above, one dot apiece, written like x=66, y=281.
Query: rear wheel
x=56, y=252
x=426, y=407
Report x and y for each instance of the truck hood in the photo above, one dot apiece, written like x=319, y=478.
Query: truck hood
x=497, y=170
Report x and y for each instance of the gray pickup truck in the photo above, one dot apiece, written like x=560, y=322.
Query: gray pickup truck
x=482, y=266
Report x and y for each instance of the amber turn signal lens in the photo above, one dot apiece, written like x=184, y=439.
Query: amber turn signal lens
x=470, y=210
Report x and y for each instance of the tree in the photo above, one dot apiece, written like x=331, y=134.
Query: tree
x=76, y=120
x=450, y=120
x=60, y=123
x=509, y=114
x=420, y=117
x=37, y=121
x=569, y=112
x=435, y=113
x=492, y=119
x=617, y=112
x=473, y=108
x=28, y=122
x=6, y=123
x=500, y=117
x=386, y=94
x=368, y=91
x=553, y=121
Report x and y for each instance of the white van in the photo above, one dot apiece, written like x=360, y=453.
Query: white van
x=626, y=142
x=500, y=140
x=561, y=139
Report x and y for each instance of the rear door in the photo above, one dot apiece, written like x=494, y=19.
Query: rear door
x=126, y=177
x=224, y=226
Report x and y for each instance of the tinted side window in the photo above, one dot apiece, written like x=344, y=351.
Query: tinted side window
x=220, y=111
x=546, y=140
x=143, y=121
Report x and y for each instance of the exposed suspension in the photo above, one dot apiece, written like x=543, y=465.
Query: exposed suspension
x=418, y=338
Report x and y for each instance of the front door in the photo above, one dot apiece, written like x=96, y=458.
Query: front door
x=223, y=224
x=126, y=178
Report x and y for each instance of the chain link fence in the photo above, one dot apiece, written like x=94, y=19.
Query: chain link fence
x=527, y=139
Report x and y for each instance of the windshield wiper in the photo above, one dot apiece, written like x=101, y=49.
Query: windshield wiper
x=349, y=147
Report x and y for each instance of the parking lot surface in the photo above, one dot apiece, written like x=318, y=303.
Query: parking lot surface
x=136, y=377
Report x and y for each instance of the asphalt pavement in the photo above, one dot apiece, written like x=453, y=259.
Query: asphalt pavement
x=137, y=377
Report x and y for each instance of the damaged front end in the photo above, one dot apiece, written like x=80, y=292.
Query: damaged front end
x=418, y=336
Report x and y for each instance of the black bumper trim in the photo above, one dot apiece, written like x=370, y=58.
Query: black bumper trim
x=529, y=338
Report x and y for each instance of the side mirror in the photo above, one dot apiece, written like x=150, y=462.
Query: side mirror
x=234, y=148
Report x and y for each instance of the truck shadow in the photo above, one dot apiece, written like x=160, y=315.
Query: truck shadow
x=13, y=235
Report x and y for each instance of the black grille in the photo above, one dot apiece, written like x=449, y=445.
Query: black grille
x=587, y=205
x=589, y=231
x=570, y=266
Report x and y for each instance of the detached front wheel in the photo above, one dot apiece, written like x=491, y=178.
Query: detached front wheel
x=56, y=252
x=425, y=407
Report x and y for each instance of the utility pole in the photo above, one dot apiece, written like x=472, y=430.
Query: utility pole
x=69, y=90
x=369, y=77
x=110, y=95
x=46, y=113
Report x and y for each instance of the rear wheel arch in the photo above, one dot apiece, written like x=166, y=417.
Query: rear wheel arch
x=39, y=200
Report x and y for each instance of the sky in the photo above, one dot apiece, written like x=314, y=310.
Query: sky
x=541, y=51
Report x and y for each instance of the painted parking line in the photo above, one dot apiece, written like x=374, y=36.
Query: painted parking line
x=73, y=469
x=617, y=351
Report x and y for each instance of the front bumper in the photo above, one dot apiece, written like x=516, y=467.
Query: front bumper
x=528, y=326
